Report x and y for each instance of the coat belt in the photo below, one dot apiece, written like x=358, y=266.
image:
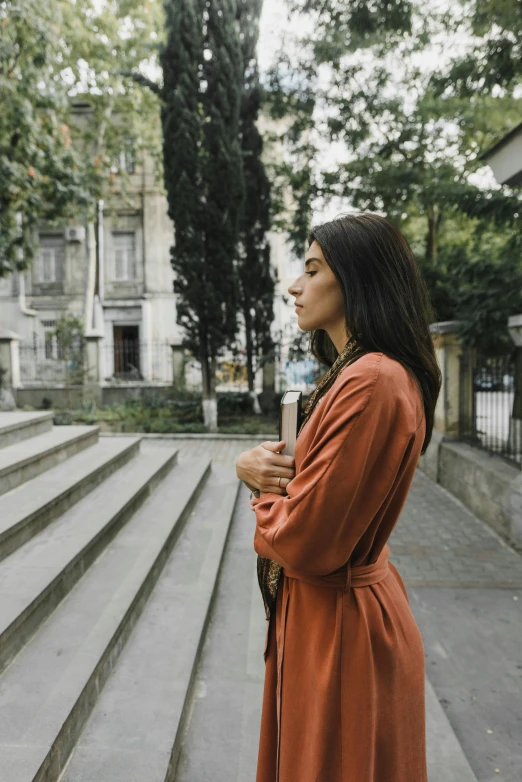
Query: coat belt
x=343, y=579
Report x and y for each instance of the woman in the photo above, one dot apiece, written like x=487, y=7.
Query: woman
x=344, y=659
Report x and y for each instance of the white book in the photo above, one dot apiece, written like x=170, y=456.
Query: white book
x=290, y=416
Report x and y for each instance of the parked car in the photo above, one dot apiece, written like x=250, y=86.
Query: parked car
x=486, y=381
x=509, y=382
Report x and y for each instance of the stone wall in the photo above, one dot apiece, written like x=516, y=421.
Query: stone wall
x=488, y=485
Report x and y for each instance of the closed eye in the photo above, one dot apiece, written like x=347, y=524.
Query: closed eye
x=310, y=272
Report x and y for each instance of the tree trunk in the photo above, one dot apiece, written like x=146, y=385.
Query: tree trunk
x=256, y=407
x=209, y=401
x=432, y=238
x=249, y=355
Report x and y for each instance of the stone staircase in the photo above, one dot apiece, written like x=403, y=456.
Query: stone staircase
x=110, y=551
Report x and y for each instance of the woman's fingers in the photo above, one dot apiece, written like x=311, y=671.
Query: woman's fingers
x=279, y=489
x=262, y=467
x=272, y=484
x=278, y=465
x=275, y=458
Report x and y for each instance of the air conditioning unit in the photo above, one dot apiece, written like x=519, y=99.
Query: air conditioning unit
x=75, y=233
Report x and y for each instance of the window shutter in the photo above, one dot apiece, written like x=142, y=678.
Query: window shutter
x=52, y=252
x=124, y=256
x=119, y=264
x=47, y=265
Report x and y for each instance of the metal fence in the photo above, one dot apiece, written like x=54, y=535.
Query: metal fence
x=486, y=404
x=48, y=364
x=130, y=360
x=232, y=375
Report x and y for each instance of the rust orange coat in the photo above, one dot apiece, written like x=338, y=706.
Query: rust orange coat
x=344, y=693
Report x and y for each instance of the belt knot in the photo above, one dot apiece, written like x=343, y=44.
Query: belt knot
x=348, y=576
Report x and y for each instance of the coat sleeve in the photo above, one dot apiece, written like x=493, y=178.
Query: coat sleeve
x=344, y=478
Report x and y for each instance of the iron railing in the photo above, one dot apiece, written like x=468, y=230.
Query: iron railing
x=47, y=363
x=130, y=360
x=487, y=404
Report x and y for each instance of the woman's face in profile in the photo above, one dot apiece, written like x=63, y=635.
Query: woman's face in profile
x=319, y=293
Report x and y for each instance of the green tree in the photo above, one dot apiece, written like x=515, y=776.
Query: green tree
x=289, y=98
x=493, y=62
x=111, y=50
x=50, y=55
x=411, y=139
x=256, y=283
x=343, y=34
x=69, y=331
x=488, y=292
x=42, y=177
x=202, y=82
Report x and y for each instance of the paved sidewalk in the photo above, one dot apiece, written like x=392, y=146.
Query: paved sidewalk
x=438, y=542
x=465, y=588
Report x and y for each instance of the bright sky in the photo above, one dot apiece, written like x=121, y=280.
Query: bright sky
x=273, y=25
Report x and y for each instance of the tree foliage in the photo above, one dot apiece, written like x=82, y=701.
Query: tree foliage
x=42, y=176
x=256, y=283
x=411, y=123
x=69, y=332
x=111, y=49
x=52, y=54
x=493, y=61
x=202, y=72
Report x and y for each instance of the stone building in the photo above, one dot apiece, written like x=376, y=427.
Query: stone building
x=130, y=303
x=505, y=158
x=115, y=274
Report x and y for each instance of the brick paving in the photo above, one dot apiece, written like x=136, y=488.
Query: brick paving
x=464, y=583
x=438, y=542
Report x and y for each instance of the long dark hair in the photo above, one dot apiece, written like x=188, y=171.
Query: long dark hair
x=387, y=304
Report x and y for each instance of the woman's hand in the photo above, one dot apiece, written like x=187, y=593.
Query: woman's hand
x=261, y=467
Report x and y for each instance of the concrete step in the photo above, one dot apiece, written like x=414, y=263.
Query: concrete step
x=26, y=510
x=18, y=426
x=135, y=728
x=446, y=759
x=35, y=578
x=24, y=460
x=49, y=689
x=221, y=737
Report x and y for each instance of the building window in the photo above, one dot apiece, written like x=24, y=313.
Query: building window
x=125, y=160
x=128, y=161
x=52, y=251
x=52, y=348
x=124, y=245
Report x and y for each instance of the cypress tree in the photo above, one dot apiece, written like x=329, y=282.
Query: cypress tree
x=202, y=70
x=255, y=279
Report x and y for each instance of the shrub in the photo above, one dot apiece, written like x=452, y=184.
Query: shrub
x=231, y=403
x=63, y=418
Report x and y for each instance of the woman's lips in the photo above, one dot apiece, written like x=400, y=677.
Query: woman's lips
x=298, y=307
